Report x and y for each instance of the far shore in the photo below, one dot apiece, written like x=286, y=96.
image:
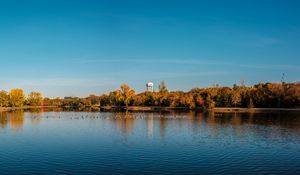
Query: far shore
x=159, y=108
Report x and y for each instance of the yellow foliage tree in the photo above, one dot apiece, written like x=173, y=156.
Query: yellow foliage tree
x=35, y=99
x=17, y=97
x=4, y=99
x=126, y=94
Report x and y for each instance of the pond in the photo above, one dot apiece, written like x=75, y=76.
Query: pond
x=69, y=142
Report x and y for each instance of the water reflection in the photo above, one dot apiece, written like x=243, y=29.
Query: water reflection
x=240, y=124
x=125, y=121
x=3, y=119
x=162, y=126
x=150, y=125
x=16, y=119
x=155, y=142
x=36, y=116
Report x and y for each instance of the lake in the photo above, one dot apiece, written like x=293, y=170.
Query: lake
x=93, y=142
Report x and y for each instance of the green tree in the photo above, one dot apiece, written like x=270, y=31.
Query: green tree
x=35, y=99
x=16, y=97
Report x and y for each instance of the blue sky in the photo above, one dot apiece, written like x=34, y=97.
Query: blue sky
x=77, y=48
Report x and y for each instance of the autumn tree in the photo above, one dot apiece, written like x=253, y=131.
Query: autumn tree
x=93, y=100
x=187, y=100
x=152, y=99
x=4, y=99
x=56, y=102
x=199, y=101
x=34, y=99
x=250, y=103
x=114, y=98
x=139, y=99
x=209, y=102
x=164, y=99
x=126, y=94
x=223, y=97
x=46, y=101
x=17, y=97
x=259, y=95
x=235, y=97
x=104, y=100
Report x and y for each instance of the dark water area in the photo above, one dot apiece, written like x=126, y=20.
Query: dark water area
x=60, y=142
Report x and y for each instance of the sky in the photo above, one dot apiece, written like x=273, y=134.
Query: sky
x=76, y=48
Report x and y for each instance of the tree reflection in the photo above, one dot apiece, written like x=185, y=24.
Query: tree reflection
x=16, y=119
x=218, y=121
x=162, y=125
x=36, y=115
x=125, y=122
x=150, y=125
x=3, y=119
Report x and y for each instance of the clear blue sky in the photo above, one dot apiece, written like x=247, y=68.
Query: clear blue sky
x=76, y=48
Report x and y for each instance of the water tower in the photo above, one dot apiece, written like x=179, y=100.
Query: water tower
x=149, y=87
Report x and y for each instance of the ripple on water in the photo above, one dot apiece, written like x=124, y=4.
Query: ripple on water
x=151, y=143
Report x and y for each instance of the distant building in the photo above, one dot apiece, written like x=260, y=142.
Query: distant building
x=149, y=86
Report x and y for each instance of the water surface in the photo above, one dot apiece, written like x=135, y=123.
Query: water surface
x=149, y=143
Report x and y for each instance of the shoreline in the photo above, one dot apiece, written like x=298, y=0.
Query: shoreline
x=159, y=109
x=222, y=109
x=217, y=109
x=7, y=109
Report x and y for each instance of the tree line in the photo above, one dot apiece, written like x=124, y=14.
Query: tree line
x=17, y=98
x=262, y=95
x=267, y=95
